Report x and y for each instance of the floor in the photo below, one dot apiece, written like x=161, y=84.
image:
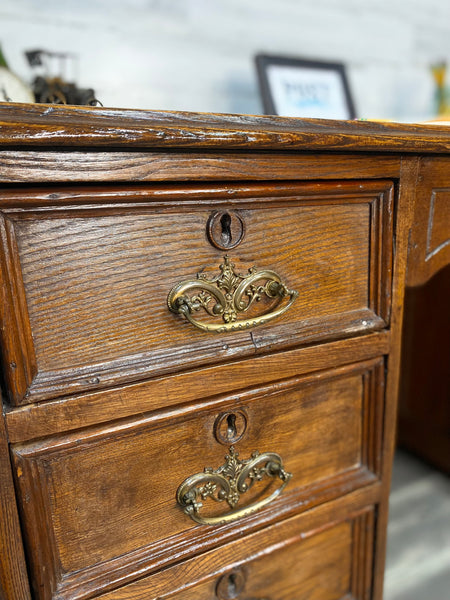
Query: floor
x=418, y=553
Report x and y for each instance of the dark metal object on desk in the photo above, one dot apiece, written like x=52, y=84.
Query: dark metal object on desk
x=56, y=90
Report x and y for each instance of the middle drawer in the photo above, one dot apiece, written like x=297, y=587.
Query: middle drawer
x=100, y=507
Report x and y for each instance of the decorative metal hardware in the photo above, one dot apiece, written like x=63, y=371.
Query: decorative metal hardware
x=228, y=483
x=227, y=295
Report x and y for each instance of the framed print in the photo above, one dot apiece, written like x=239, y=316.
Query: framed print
x=293, y=87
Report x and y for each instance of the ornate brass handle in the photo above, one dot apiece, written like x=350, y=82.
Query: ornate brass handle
x=227, y=295
x=228, y=483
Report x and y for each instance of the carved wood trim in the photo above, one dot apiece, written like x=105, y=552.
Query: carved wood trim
x=381, y=255
x=429, y=243
x=13, y=571
x=431, y=248
x=363, y=551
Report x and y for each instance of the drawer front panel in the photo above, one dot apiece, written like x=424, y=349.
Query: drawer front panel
x=329, y=565
x=100, y=504
x=92, y=284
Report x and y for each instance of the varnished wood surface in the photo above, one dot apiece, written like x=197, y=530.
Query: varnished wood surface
x=404, y=217
x=74, y=412
x=109, y=492
x=13, y=570
x=38, y=125
x=97, y=276
x=65, y=165
x=324, y=574
x=211, y=565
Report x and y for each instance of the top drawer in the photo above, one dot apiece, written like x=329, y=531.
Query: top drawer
x=87, y=275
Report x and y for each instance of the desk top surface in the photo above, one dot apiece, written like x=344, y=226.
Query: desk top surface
x=43, y=125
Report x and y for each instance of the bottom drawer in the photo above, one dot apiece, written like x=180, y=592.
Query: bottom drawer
x=299, y=559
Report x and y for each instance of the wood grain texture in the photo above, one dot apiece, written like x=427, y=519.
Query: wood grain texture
x=324, y=573
x=34, y=166
x=104, y=494
x=94, y=275
x=38, y=125
x=74, y=412
x=210, y=566
x=13, y=571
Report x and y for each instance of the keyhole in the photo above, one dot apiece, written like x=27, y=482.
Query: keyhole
x=232, y=591
x=225, y=223
x=225, y=229
x=231, y=429
x=231, y=585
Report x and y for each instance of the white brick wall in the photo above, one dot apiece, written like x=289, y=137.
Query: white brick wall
x=198, y=54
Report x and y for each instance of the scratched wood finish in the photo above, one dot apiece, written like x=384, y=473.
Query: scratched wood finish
x=38, y=125
x=113, y=494
x=96, y=275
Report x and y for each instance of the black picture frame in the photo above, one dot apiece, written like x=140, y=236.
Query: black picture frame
x=296, y=87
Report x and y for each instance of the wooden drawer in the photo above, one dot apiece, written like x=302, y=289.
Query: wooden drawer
x=99, y=507
x=90, y=271
x=330, y=563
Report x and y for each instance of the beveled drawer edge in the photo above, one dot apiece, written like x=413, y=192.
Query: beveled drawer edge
x=86, y=410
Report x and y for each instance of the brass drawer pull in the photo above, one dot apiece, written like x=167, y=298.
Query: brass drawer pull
x=227, y=295
x=228, y=483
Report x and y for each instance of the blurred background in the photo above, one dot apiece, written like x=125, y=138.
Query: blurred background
x=198, y=55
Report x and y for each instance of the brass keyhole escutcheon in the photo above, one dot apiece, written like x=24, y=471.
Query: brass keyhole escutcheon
x=230, y=585
x=225, y=229
x=230, y=427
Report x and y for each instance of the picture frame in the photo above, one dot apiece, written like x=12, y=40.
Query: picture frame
x=295, y=87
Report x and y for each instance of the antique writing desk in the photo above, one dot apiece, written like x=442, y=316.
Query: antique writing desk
x=200, y=343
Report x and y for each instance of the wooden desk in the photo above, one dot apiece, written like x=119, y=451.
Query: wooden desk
x=276, y=368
